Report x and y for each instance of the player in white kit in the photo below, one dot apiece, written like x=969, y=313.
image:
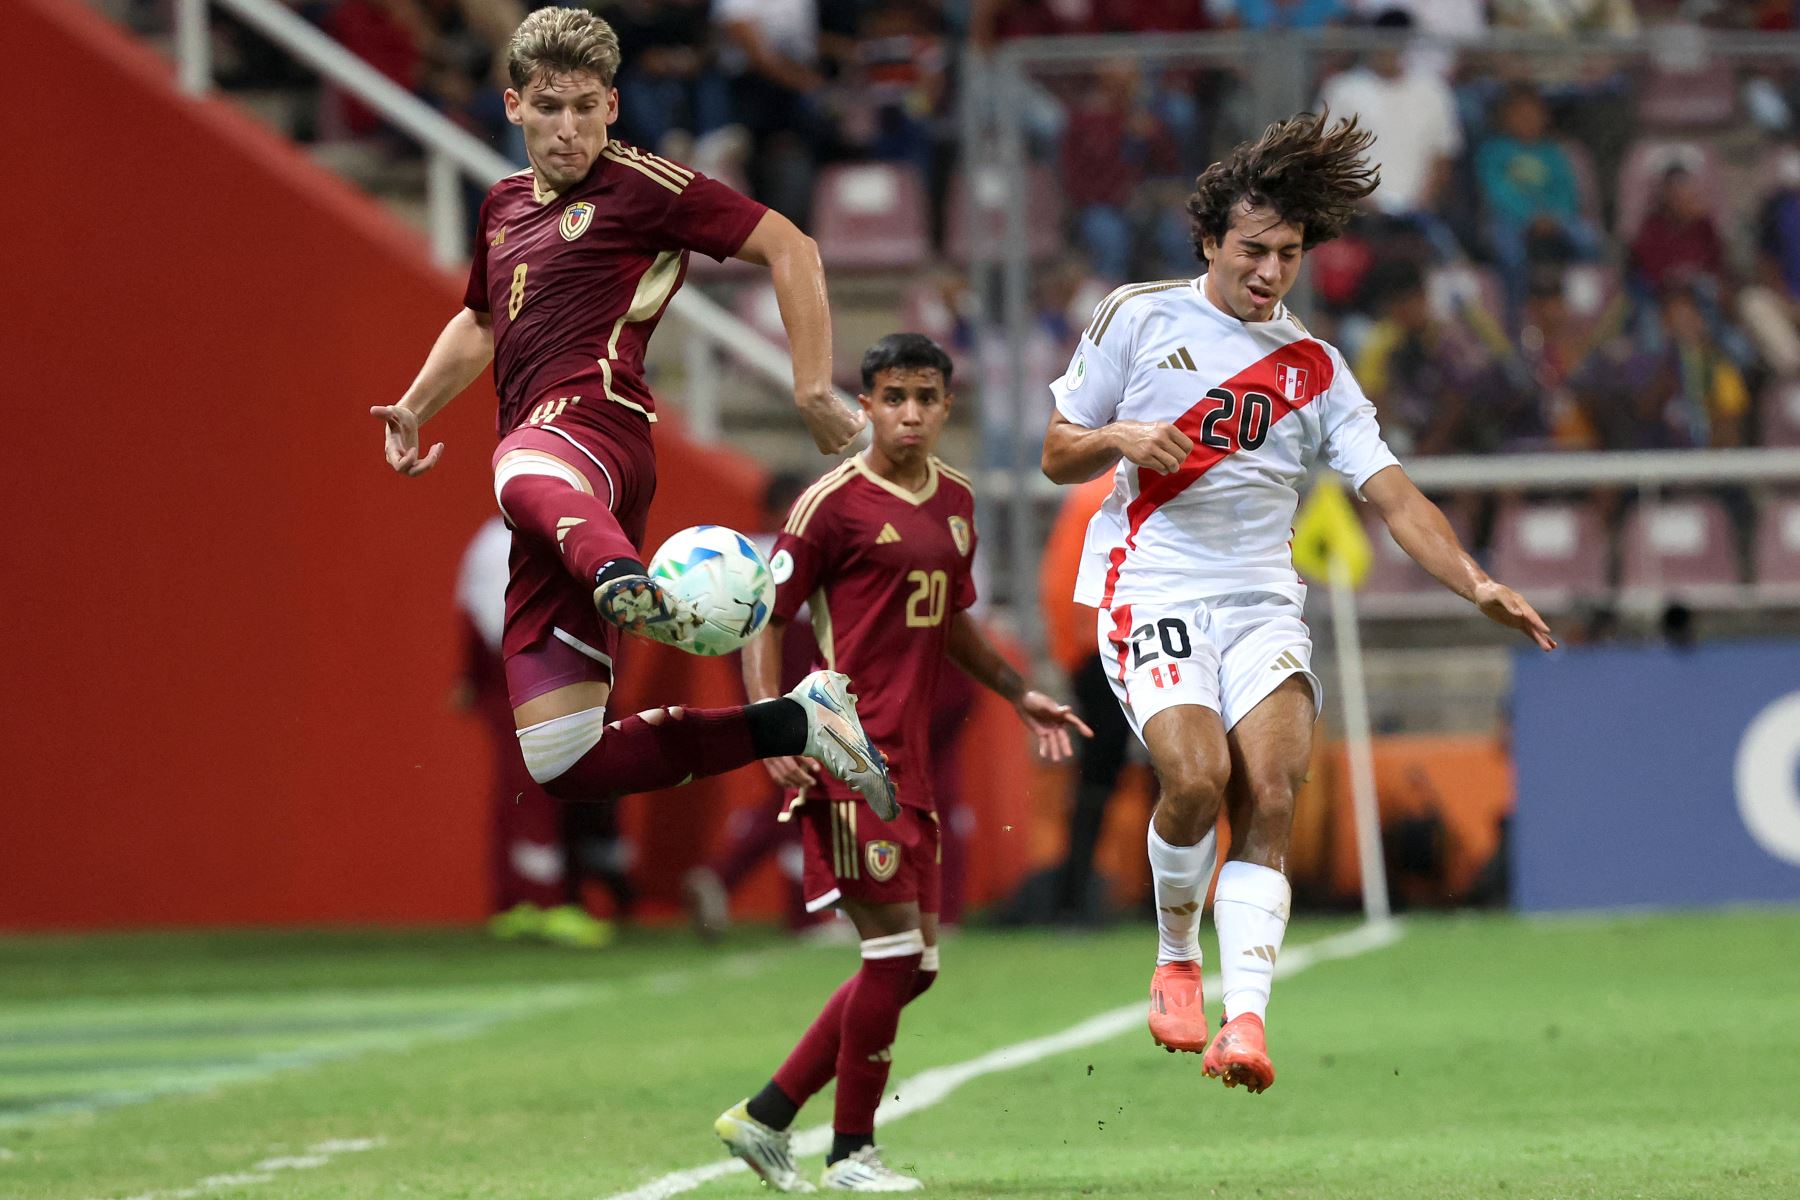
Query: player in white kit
x=1214, y=402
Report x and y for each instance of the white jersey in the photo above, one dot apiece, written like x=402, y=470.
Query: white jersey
x=1261, y=401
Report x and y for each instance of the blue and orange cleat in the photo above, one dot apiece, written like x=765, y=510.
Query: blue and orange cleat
x=1178, y=1008
x=1239, y=1056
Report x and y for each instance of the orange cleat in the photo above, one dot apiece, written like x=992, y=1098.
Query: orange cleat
x=1238, y=1054
x=1177, y=1009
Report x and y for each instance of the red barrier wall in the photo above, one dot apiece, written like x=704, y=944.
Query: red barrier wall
x=232, y=638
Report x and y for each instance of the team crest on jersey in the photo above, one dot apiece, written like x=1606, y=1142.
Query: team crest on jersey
x=959, y=533
x=1292, y=382
x=575, y=220
x=883, y=859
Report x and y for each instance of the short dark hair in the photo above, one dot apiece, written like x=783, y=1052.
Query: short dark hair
x=904, y=351
x=1310, y=175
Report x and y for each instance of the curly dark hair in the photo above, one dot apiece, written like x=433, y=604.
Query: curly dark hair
x=1310, y=175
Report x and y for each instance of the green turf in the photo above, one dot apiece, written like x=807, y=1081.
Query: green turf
x=1651, y=1057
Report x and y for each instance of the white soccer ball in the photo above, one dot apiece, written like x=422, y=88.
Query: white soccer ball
x=722, y=574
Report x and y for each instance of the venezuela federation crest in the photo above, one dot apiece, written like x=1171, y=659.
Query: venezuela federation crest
x=959, y=533
x=883, y=859
x=575, y=220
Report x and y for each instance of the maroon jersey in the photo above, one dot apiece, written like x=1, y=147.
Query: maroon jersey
x=576, y=283
x=884, y=570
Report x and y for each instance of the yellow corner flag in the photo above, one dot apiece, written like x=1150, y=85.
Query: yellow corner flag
x=1327, y=528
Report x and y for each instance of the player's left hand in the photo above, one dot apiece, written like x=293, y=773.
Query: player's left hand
x=401, y=444
x=1051, y=720
x=833, y=425
x=1503, y=606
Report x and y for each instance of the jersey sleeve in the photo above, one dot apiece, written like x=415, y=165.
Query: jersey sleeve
x=475, y=296
x=1352, y=438
x=704, y=215
x=1090, y=391
x=800, y=561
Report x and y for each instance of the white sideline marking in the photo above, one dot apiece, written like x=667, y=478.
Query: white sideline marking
x=317, y=1155
x=931, y=1086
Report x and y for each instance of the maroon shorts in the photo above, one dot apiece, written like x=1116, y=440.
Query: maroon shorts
x=850, y=853
x=553, y=635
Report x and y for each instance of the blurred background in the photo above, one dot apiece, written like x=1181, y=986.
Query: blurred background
x=252, y=670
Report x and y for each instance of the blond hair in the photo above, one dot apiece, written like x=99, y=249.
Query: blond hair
x=562, y=41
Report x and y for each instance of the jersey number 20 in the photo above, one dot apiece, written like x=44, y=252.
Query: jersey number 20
x=925, y=607
x=1251, y=429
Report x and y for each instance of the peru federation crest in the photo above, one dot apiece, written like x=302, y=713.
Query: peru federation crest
x=1292, y=382
x=575, y=220
x=959, y=533
x=883, y=859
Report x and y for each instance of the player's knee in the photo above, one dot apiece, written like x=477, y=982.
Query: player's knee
x=1272, y=801
x=1192, y=791
x=551, y=747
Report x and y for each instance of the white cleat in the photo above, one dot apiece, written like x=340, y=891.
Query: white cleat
x=835, y=737
x=638, y=604
x=863, y=1171
x=764, y=1150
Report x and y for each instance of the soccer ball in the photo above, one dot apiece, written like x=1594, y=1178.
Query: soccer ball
x=722, y=574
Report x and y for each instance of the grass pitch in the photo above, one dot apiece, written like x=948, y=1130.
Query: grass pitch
x=1478, y=1057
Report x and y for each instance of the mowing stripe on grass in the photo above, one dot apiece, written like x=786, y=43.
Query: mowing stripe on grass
x=932, y=1086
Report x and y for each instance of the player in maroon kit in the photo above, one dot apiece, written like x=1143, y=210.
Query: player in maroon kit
x=575, y=261
x=881, y=549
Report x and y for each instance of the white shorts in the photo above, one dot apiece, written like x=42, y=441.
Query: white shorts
x=1224, y=653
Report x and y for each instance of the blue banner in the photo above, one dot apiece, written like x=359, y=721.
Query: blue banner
x=1652, y=776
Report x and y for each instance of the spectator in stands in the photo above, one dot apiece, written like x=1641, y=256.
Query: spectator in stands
x=667, y=83
x=899, y=80
x=389, y=35
x=1528, y=193
x=1770, y=306
x=1522, y=400
x=771, y=54
x=1113, y=146
x=1415, y=366
x=1567, y=16
x=1684, y=392
x=1678, y=242
x=1412, y=114
x=1260, y=15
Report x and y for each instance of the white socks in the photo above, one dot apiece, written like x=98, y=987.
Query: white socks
x=1250, y=909
x=552, y=747
x=1181, y=875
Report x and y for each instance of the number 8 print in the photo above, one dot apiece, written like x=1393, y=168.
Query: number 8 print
x=518, y=293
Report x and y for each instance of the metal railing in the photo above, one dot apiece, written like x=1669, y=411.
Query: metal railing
x=452, y=155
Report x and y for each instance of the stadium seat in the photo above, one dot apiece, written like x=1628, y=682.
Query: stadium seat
x=1688, y=99
x=1777, y=550
x=1685, y=543
x=1554, y=551
x=1643, y=168
x=870, y=216
x=986, y=186
x=1781, y=415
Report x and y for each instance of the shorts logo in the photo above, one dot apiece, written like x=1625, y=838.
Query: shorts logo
x=1156, y=675
x=959, y=533
x=575, y=220
x=883, y=859
x=1289, y=661
x=781, y=567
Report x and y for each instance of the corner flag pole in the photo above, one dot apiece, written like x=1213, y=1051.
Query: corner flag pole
x=1358, y=741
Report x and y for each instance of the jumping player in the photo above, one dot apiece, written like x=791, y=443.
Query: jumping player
x=575, y=261
x=881, y=548
x=1215, y=402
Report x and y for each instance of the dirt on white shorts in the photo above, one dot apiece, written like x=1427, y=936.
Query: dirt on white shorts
x=1225, y=653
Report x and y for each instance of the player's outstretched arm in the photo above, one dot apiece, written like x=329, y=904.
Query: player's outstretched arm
x=1421, y=530
x=799, y=278
x=761, y=663
x=1048, y=719
x=1075, y=454
x=461, y=351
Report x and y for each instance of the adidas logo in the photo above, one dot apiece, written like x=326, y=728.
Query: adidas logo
x=1287, y=662
x=888, y=534
x=1182, y=910
x=1266, y=953
x=1181, y=360
x=563, y=526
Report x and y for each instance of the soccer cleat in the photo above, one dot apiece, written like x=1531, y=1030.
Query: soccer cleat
x=764, y=1150
x=573, y=926
x=638, y=604
x=863, y=1171
x=1238, y=1054
x=708, y=905
x=519, y=921
x=835, y=737
x=1177, y=1008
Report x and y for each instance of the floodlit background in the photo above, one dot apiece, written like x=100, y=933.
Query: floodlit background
x=257, y=815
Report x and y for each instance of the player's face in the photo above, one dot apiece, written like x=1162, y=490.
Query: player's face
x=564, y=118
x=907, y=408
x=1254, y=266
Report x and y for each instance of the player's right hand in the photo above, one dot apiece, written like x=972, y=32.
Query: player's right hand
x=401, y=441
x=833, y=425
x=1154, y=445
x=792, y=771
